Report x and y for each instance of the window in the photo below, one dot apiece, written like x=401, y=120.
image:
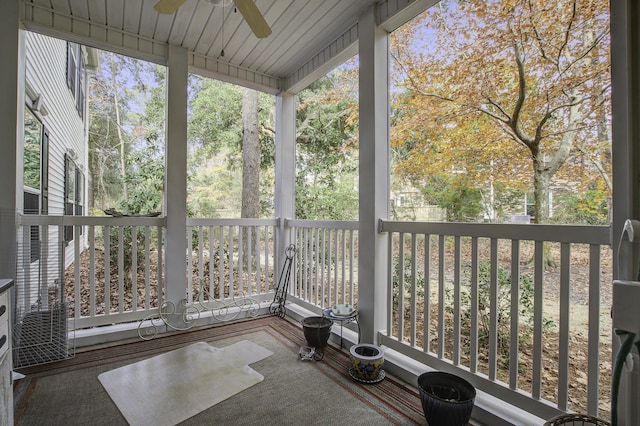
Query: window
x=73, y=193
x=75, y=75
x=80, y=89
x=32, y=151
x=36, y=174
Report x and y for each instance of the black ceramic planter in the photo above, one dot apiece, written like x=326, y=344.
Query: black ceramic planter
x=317, y=331
x=447, y=400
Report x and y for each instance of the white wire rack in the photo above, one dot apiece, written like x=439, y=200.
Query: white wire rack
x=41, y=322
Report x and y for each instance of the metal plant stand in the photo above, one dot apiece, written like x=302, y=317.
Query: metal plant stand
x=277, y=306
x=185, y=318
x=343, y=320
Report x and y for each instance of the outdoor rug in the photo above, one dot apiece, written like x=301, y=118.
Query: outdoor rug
x=293, y=392
x=169, y=388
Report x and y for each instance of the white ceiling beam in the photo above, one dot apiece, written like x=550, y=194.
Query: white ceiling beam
x=210, y=67
x=390, y=15
x=338, y=51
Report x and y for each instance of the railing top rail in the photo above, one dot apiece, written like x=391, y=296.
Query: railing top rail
x=232, y=222
x=555, y=233
x=327, y=224
x=63, y=220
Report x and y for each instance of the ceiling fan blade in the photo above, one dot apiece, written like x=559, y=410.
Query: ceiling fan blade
x=168, y=7
x=254, y=18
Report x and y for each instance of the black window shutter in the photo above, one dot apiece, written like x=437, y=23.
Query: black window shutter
x=79, y=195
x=71, y=69
x=44, y=204
x=68, y=206
x=31, y=207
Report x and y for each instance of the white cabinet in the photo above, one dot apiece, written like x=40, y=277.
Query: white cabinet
x=6, y=383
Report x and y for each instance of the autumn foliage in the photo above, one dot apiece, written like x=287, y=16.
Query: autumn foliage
x=509, y=95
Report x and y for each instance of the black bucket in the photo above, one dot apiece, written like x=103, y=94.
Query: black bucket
x=317, y=331
x=447, y=400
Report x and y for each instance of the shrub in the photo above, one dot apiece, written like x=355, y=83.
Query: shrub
x=503, y=308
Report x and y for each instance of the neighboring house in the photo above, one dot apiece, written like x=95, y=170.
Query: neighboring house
x=55, y=162
x=409, y=204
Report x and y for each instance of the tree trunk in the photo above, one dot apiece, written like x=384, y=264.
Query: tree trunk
x=250, y=169
x=116, y=105
x=540, y=191
x=250, y=155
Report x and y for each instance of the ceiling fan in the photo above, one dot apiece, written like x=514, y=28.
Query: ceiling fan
x=247, y=8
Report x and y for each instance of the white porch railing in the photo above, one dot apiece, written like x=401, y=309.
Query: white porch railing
x=107, y=276
x=111, y=278
x=326, y=262
x=478, y=300
x=230, y=257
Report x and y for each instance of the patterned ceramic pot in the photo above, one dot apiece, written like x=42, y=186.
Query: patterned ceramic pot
x=366, y=361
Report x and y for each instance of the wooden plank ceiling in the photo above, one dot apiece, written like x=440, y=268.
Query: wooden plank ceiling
x=302, y=29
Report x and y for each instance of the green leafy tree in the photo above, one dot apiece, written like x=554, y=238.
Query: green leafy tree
x=461, y=199
x=215, y=133
x=126, y=116
x=326, y=161
x=126, y=146
x=589, y=207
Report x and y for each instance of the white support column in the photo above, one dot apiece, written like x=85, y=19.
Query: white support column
x=176, y=177
x=374, y=176
x=285, y=171
x=625, y=104
x=11, y=115
x=625, y=98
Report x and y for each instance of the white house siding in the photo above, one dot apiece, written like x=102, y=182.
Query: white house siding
x=46, y=77
x=46, y=65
